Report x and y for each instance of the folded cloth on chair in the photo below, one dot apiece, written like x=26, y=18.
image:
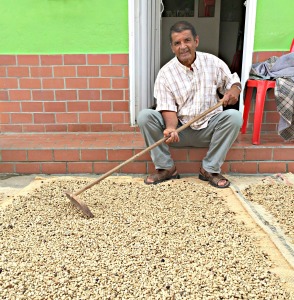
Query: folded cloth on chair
x=284, y=95
x=280, y=69
x=274, y=67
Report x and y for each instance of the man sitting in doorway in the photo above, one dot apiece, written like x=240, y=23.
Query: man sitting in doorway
x=185, y=87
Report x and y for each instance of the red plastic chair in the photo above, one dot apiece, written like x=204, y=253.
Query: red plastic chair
x=261, y=88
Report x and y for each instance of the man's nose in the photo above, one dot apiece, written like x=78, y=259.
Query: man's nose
x=183, y=45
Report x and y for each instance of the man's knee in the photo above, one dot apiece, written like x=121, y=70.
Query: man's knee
x=145, y=116
x=235, y=117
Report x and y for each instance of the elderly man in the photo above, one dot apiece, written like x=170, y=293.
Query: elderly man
x=187, y=86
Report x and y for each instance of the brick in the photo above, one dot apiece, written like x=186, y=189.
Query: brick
x=119, y=59
x=99, y=83
x=197, y=154
x=33, y=128
x=272, y=167
x=54, y=107
x=79, y=167
x=55, y=128
x=17, y=95
x=283, y=154
x=76, y=83
x=126, y=71
x=67, y=118
x=3, y=72
x=179, y=154
x=270, y=105
x=258, y=154
x=18, y=72
x=40, y=155
x=9, y=107
x=98, y=59
x=27, y=168
x=77, y=106
x=4, y=118
x=244, y=167
x=100, y=106
x=74, y=59
x=272, y=117
x=103, y=167
x=32, y=106
x=93, y=155
x=235, y=154
x=112, y=95
x=187, y=167
x=6, y=168
x=51, y=60
x=53, y=83
x=143, y=157
x=78, y=128
x=30, y=83
x=119, y=154
x=66, y=155
x=53, y=168
x=291, y=167
x=88, y=71
x=21, y=118
x=89, y=95
x=66, y=95
x=41, y=72
x=121, y=106
x=14, y=155
x=101, y=128
x=11, y=128
x=111, y=71
x=65, y=71
x=134, y=168
x=43, y=118
x=7, y=60
x=28, y=60
x=122, y=83
x=8, y=83
x=90, y=117
x=119, y=127
x=43, y=95
x=112, y=117
x=3, y=95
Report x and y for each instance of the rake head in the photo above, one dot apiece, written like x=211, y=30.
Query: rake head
x=79, y=204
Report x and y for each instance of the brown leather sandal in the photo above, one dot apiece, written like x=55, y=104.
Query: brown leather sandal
x=213, y=178
x=162, y=175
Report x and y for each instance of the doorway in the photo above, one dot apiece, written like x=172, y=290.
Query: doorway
x=219, y=24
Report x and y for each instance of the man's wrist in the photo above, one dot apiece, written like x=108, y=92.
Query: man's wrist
x=237, y=86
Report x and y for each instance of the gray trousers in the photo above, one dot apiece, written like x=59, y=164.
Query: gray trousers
x=218, y=136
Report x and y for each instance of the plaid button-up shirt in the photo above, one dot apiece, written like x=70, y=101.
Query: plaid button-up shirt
x=191, y=92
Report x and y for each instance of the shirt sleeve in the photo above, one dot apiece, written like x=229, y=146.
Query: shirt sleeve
x=165, y=99
x=226, y=77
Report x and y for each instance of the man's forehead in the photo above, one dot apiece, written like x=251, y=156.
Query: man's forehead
x=185, y=33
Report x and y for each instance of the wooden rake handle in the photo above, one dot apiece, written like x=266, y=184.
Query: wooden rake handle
x=148, y=149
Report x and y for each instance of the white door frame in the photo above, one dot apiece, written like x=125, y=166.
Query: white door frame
x=140, y=82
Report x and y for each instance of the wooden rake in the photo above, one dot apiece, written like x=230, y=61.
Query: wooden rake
x=73, y=197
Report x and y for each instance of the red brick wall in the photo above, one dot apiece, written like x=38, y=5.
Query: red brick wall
x=271, y=116
x=64, y=93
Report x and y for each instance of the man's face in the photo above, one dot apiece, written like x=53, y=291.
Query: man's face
x=184, y=46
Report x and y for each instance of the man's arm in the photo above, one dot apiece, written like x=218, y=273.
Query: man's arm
x=171, y=122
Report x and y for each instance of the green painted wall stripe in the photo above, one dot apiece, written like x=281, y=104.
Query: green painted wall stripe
x=101, y=26
x=274, y=28
x=63, y=26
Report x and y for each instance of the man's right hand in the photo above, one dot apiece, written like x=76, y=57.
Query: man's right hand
x=172, y=134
